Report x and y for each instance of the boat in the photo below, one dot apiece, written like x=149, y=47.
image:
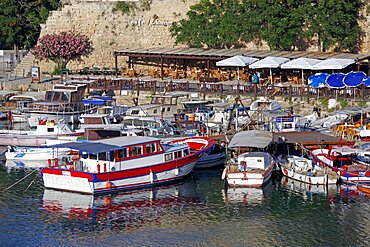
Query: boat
x=64, y=101
x=120, y=163
x=304, y=170
x=18, y=102
x=344, y=160
x=364, y=188
x=36, y=154
x=213, y=154
x=250, y=167
x=34, y=138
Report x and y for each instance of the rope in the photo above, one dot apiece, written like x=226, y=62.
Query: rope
x=31, y=182
x=19, y=180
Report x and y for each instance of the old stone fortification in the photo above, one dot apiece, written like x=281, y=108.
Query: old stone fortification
x=112, y=31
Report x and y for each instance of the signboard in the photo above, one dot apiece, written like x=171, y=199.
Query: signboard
x=35, y=74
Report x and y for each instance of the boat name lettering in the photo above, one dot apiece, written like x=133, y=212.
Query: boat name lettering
x=66, y=173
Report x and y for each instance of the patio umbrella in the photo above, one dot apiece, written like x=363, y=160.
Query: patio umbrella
x=366, y=81
x=236, y=61
x=335, y=80
x=317, y=80
x=333, y=63
x=300, y=63
x=270, y=63
x=354, y=78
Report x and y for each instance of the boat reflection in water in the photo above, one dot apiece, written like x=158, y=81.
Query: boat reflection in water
x=128, y=207
x=308, y=190
x=27, y=164
x=247, y=195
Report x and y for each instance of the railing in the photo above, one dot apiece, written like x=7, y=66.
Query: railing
x=209, y=88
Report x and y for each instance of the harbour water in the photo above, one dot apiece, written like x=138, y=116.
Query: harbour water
x=195, y=212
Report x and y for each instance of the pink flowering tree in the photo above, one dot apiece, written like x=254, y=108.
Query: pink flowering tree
x=61, y=48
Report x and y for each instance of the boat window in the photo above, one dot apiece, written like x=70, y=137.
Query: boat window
x=93, y=156
x=160, y=149
x=178, y=154
x=137, y=122
x=102, y=156
x=168, y=108
x=150, y=148
x=123, y=153
x=185, y=152
x=135, y=112
x=168, y=157
x=155, y=111
x=50, y=130
x=137, y=150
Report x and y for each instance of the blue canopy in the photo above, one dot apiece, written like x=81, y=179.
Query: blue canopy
x=98, y=100
x=88, y=147
x=366, y=81
x=335, y=80
x=317, y=80
x=354, y=78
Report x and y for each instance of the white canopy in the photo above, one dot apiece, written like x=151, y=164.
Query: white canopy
x=333, y=63
x=269, y=62
x=251, y=138
x=237, y=61
x=300, y=63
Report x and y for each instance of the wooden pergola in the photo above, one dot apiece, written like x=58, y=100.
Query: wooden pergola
x=213, y=55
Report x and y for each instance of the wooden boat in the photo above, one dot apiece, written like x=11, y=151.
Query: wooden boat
x=344, y=161
x=44, y=131
x=120, y=163
x=303, y=170
x=213, y=154
x=364, y=188
x=251, y=169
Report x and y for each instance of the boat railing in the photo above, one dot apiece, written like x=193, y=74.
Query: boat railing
x=58, y=107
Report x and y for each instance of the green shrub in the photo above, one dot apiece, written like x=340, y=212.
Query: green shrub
x=342, y=102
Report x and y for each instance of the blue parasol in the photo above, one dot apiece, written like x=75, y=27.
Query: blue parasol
x=335, y=80
x=354, y=78
x=366, y=81
x=317, y=80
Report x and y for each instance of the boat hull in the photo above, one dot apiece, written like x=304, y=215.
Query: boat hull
x=241, y=179
x=94, y=183
x=314, y=180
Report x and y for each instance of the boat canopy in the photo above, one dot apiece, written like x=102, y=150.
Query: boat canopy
x=88, y=147
x=251, y=138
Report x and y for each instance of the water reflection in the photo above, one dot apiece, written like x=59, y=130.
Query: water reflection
x=19, y=164
x=129, y=209
x=247, y=195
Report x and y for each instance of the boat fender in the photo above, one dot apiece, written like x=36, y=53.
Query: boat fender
x=224, y=172
x=56, y=162
x=105, y=167
x=151, y=176
x=49, y=163
x=109, y=184
x=98, y=167
x=176, y=171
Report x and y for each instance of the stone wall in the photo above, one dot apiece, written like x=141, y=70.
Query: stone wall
x=111, y=31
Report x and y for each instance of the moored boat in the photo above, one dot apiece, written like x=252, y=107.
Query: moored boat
x=213, y=154
x=119, y=164
x=364, y=188
x=345, y=161
x=303, y=170
x=251, y=169
x=38, y=154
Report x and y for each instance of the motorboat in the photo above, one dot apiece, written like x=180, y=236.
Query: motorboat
x=120, y=163
x=350, y=163
x=45, y=130
x=213, y=154
x=304, y=170
x=37, y=154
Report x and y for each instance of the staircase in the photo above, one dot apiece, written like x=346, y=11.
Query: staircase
x=23, y=69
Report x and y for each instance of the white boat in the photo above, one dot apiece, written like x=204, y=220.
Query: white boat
x=120, y=163
x=36, y=154
x=213, y=154
x=44, y=131
x=304, y=170
x=251, y=169
x=22, y=101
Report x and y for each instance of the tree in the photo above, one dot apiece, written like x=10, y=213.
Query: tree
x=20, y=21
x=61, y=48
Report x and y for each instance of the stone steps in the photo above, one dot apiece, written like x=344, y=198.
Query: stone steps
x=23, y=69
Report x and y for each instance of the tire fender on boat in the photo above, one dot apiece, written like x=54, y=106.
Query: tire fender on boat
x=151, y=176
x=224, y=173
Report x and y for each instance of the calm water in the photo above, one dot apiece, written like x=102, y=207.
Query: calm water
x=196, y=212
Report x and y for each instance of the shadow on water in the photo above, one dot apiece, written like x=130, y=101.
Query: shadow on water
x=198, y=211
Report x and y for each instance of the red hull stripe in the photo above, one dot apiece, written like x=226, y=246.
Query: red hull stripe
x=118, y=175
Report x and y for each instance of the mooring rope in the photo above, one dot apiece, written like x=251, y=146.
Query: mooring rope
x=20, y=180
x=31, y=182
